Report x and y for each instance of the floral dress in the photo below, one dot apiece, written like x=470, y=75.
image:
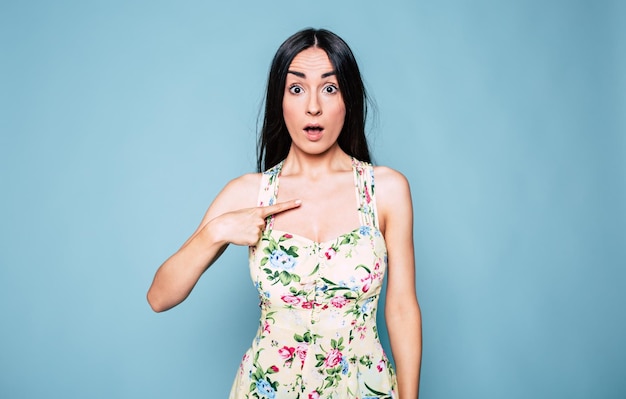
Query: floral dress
x=317, y=336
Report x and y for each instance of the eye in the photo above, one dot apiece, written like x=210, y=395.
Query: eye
x=295, y=89
x=330, y=89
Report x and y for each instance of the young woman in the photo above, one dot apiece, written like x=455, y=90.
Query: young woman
x=320, y=242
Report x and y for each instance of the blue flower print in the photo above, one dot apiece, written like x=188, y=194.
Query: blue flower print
x=364, y=230
x=351, y=285
x=280, y=260
x=344, y=365
x=265, y=389
x=367, y=306
x=323, y=288
x=273, y=171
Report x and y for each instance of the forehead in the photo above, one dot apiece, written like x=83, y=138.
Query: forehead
x=312, y=59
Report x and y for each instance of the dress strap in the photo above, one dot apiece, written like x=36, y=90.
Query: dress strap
x=269, y=190
x=364, y=182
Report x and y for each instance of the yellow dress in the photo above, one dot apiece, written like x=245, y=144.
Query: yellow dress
x=317, y=336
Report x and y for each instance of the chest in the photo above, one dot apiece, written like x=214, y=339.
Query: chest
x=284, y=264
x=329, y=208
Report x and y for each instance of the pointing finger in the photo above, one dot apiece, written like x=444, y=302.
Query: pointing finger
x=280, y=207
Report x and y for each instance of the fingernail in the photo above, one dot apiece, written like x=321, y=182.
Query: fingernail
x=298, y=202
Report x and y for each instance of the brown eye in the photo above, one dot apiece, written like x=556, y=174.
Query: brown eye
x=295, y=89
x=331, y=89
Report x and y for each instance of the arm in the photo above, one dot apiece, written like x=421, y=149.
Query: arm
x=232, y=218
x=402, y=312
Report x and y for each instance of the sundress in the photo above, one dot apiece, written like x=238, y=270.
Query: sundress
x=317, y=337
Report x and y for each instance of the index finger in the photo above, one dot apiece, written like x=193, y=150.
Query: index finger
x=280, y=207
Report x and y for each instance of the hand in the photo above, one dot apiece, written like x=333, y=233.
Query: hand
x=245, y=226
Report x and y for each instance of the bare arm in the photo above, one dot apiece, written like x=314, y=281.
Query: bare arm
x=402, y=312
x=232, y=218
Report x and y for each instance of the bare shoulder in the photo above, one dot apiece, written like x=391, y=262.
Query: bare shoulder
x=241, y=192
x=393, y=196
x=390, y=183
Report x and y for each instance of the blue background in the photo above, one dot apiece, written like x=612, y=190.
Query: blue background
x=121, y=120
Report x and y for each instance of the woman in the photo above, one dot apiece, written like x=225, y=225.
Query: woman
x=318, y=252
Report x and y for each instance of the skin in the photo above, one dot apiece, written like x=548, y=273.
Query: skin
x=316, y=200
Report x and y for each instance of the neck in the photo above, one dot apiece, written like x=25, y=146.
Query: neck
x=315, y=165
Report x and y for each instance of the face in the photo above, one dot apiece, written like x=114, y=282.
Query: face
x=313, y=107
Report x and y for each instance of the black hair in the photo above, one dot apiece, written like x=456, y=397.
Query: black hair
x=274, y=140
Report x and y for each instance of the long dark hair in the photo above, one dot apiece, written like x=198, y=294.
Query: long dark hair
x=274, y=140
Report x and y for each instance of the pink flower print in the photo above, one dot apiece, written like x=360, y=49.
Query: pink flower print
x=368, y=199
x=314, y=395
x=380, y=366
x=368, y=280
x=338, y=301
x=274, y=369
x=287, y=235
x=330, y=253
x=301, y=352
x=290, y=299
x=333, y=358
x=286, y=352
x=266, y=327
x=361, y=330
x=243, y=361
x=307, y=305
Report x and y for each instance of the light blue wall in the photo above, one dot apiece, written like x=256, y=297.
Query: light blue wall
x=120, y=121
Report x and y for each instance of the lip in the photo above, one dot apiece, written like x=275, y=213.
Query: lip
x=313, y=131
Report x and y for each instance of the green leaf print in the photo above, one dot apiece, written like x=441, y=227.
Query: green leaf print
x=315, y=270
x=366, y=361
x=327, y=281
x=292, y=250
x=375, y=392
x=363, y=267
x=285, y=278
x=338, y=289
x=350, y=295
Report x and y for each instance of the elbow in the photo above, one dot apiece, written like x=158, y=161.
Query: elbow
x=403, y=311
x=156, y=305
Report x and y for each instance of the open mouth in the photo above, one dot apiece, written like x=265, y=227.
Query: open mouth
x=313, y=129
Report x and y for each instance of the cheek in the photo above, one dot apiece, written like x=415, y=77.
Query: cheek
x=339, y=107
x=339, y=112
x=288, y=113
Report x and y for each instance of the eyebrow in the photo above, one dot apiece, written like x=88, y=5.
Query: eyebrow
x=303, y=76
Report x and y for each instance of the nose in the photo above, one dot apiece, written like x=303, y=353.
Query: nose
x=313, y=107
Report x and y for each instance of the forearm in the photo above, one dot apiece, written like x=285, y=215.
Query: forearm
x=405, y=335
x=177, y=276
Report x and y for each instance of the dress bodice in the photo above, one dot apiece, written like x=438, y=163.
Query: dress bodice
x=317, y=336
